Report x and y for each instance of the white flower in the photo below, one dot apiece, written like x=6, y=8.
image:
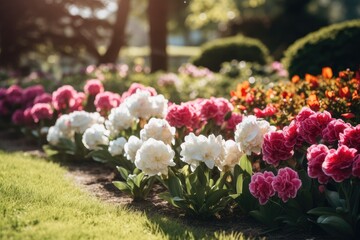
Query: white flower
x=131, y=147
x=116, y=146
x=231, y=156
x=249, y=134
x=159, y=106
x=158, y=129
x=81, y=120
x=54, y=135
x=198, y=149
x=154, y=157
x=95, y=136
x=139, y=104
x=119, y=119
x=63, y=125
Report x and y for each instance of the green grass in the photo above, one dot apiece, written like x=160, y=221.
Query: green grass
x=38, y=201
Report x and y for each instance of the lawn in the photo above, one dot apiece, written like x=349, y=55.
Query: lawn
x=38, y=201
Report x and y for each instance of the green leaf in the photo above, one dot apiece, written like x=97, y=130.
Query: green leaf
x=333, y=198
x=335, y=226
x=215, y=197
x=319, y=211
x=121, y=186
x=239, y=184
x=174, y=185
x=245, y=164
x=123, y=172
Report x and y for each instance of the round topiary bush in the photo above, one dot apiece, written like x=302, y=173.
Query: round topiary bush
x=215, y=52
x=336, y=46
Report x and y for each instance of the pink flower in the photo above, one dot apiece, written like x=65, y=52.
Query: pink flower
x=291, y=135
x=209, y=109
x=304, y=114
x=215, y=108
x=310, y=129
x=224, y=107
x=268, y=111
x=64, y=97
x=338, y=163
x=356, y=166
x=18, y=117
x=134, y=87
x=41, y=111
x=331, y=133
x=14, y=95
x=275, y=149
x=43, y=98
x=351, y=137
x=79, y=100
x=316, y=155
x=105, y=101
x=169, y=79
x=179, y=116
x=286, y=183
x=30, y=93
x=93, y=87
x=234, y=120
x=261, y=186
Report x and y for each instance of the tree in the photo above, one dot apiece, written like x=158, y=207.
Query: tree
x=157, y=15
x=26, y=25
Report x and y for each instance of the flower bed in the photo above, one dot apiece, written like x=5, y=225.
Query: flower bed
x=287, y=154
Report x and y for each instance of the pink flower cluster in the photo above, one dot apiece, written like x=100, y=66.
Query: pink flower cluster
x=268, y=111
x=134, y=87
x=338, y=164
x=264, y=185
x=276, y=147
x=105, y=101
x=196, y=72
x=195, y=114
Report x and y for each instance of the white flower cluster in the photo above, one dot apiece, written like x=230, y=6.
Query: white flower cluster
x=69, y=124
x=142, y=105
x=119, y=119
x=249, y=134
x=95, y=136
x=116, y=146
x=158, y=129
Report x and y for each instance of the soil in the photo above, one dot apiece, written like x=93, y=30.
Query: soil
x=96, y=179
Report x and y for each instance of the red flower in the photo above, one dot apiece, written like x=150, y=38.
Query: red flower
x=275, y=149
x=261, y=186
x=338, y=163
x=179, y=116
x=351, y=137
x=348, y=115
x=316, y=155
x=286, y=183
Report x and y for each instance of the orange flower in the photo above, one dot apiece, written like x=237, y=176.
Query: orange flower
x=355, y=95
x=241, y=90
x=344, y=92
x=295, y=79
x=330, y=94
x=313, y=102
x=327, y=72
x=312, y=80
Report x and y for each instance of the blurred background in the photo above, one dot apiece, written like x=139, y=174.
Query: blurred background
x=63, y=36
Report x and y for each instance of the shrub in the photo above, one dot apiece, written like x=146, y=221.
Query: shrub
x=336, y=46
x=214, y=53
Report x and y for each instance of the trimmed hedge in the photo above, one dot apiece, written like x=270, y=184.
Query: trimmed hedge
x=336, y=46
x=218, y=51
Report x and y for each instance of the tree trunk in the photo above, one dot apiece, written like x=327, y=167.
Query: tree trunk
x=157, y=15
x=118, y=37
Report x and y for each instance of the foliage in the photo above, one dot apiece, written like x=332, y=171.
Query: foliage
x=332, y=46
x=241, y=48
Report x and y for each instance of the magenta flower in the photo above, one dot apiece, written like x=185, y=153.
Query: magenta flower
x=14, y=95
x=18, y=117
x=30, y=93
x=351, y=137
x=286, y=183
x=261, y=186
x=79, y=102
x=41, y=111
x=275, y=149
x=310, y=129
x=64, y=97
x=93, y=87
x=234, y=120
x=331, y=133
x=338, y=163
x=291, y=135
x=316, y=156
